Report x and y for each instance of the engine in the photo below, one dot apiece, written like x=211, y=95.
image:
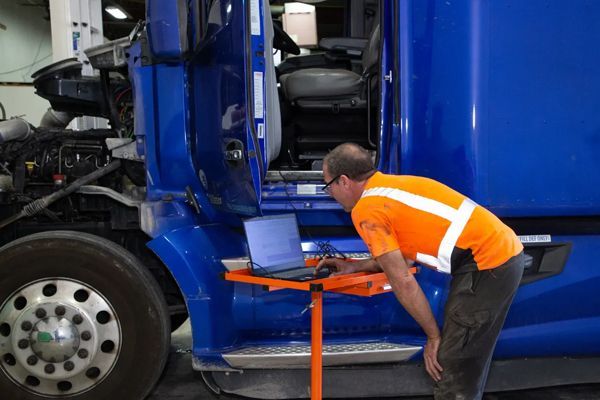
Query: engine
x=42, y=161
x=52, y=157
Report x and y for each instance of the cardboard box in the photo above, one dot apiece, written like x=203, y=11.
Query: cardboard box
x=300, y=22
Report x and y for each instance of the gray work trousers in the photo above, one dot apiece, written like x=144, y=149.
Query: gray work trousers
x=475, y=312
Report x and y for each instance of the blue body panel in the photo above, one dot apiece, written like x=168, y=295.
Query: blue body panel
x=164, y=138
x=167, y=28
x=499, y=102
x=209, y=299
x=225, y=315
x=560, y=315
x=494, y=98
x=222, y=119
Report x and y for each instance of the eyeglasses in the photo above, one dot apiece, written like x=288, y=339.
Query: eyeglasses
x=327, y=187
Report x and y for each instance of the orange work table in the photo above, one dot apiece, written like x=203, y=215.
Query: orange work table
x=359, y=284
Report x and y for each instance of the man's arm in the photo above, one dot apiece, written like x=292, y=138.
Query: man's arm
x=341, y=267
x=409, y=294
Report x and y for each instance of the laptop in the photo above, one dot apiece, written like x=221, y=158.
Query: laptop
x=275, y=249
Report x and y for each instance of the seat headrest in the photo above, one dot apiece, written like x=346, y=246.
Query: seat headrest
x=370, y=55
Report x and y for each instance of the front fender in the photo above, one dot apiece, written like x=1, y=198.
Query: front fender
x=193, y=255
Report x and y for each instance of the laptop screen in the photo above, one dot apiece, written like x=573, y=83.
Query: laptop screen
x=274, y=242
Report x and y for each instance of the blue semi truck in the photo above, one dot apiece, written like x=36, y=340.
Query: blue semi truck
x=113, y=237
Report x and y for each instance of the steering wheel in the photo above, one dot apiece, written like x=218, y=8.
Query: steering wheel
x=282, y=41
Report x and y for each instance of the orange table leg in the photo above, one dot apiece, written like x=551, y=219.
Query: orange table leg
x=316, y=348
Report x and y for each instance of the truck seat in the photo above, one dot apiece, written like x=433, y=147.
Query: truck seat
x=321, y=82
x=320, y=87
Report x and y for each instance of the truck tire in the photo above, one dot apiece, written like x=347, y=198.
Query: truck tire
x=80, y=318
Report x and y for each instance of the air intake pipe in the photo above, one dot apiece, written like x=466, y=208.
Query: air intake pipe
x=14, y=129
x=56, y=119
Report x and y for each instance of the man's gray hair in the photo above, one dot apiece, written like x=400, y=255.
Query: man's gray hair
x=351, y=160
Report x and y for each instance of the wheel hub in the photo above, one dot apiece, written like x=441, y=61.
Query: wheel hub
x=54, y=339
x=58, y=337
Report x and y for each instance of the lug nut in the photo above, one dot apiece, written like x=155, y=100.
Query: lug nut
x=40, y=313
x=69, y=366
x=49, y=369
x=23, y=343
x=60, y=310
x=82, y=353
x=77, y=319
x=86, y=335
x=32, y=360
x=26, y=326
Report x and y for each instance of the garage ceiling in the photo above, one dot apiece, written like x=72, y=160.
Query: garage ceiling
x=113, y=28
x=136, y=10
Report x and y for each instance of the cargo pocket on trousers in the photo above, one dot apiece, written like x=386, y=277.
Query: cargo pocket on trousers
x=470, y=322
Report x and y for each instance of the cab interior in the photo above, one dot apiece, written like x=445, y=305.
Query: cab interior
x=328, y=91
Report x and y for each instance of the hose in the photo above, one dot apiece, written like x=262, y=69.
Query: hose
x=56, y=119
x=115, y=122
x=3, y=111
x=40, y=204
x=14, y=129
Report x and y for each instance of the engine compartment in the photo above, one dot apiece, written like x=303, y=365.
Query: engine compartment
x=54, y=178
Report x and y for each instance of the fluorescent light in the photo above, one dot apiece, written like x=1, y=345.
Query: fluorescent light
x=116, y=12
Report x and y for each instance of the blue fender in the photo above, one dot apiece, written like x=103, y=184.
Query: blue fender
x=193, y=255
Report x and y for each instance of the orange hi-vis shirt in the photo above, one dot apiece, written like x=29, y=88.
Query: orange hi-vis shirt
x=431, y=224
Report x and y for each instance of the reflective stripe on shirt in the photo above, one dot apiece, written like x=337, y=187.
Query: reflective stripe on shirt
x=458, y=220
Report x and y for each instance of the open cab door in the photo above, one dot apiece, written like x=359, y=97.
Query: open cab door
x=229, y=76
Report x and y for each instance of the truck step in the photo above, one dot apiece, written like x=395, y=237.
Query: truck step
x=298, y=356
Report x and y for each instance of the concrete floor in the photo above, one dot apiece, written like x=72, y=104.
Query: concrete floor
x=180, y=382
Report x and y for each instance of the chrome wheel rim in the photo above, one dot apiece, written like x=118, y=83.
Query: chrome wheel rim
x=58, y=337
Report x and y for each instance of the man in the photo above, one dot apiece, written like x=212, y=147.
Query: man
x=403, y=219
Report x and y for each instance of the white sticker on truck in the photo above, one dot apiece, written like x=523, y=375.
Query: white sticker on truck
x=535, y=238
x=259, y=108
x=254, y=17
x=306, y=189
x=261, y=131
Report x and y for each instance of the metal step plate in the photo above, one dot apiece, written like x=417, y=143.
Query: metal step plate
x=274, y=357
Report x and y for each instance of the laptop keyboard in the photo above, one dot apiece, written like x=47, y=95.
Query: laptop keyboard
x=302, y=273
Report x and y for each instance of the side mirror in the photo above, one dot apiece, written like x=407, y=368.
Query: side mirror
x=167, y=28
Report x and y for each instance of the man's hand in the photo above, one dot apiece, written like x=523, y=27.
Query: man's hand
x=432, y=366
x=410, y=295
x=336, y=266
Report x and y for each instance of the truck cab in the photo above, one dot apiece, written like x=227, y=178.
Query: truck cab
x=495, y=99
x=440, y=92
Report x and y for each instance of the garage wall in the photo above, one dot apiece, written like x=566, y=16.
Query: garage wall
x=21, y=101
x=26, y=41
x=25, y=47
